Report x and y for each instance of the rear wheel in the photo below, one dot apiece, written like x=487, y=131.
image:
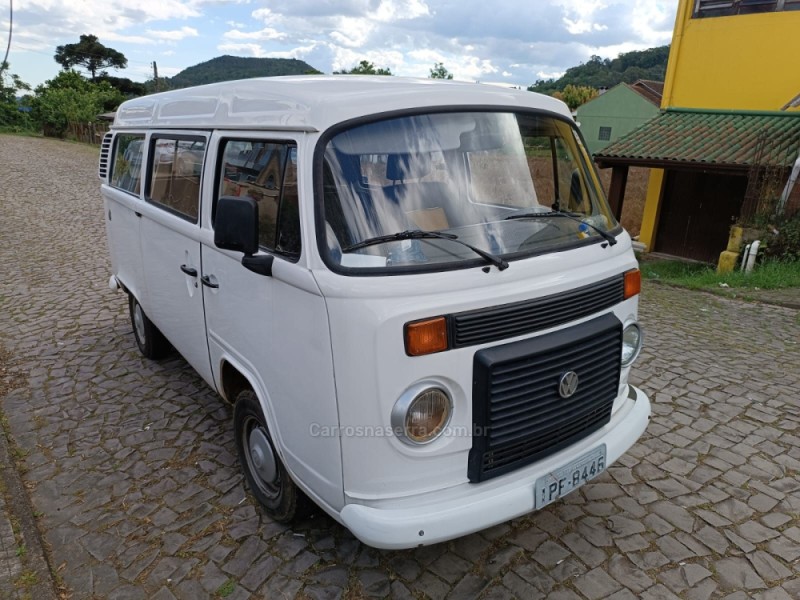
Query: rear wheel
x=266, y=476
x=152, y=343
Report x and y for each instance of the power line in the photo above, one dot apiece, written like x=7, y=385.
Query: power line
x=10, y=29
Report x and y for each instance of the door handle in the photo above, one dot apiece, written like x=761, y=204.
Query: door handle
x=207, y=281
x=191, y=272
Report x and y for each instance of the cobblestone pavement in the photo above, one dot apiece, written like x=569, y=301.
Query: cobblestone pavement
x=131, y=470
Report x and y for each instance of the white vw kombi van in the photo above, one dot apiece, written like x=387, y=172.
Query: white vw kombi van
x=414, y=293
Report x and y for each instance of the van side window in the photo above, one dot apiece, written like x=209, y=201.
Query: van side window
x=267, y=172
x=126, y=168
x=176, y=166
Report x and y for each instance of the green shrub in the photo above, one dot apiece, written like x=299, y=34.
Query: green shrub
x=783, y=241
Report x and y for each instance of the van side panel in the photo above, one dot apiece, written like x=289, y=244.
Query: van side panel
x=122, y=233
x=174, y=299
x=275, y=330
x=303, y=387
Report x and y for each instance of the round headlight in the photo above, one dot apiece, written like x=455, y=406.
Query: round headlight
x=420, y=416
x=631, y=344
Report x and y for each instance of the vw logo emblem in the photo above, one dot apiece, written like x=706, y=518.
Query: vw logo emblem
x=568, y=384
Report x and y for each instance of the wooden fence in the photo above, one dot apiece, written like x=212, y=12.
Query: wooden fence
x=88, y=133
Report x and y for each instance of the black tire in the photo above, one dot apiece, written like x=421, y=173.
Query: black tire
x=152, y=343
x=280, y=498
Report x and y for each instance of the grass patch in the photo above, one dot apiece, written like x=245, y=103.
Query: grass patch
x=773, y=275
x=19, y=131
x=226, y=589
x=26, y=579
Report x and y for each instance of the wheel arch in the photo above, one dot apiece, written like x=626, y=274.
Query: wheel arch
x=233, y=381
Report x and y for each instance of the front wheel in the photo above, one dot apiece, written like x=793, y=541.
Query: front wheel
x=152, y=343
x=266, y=476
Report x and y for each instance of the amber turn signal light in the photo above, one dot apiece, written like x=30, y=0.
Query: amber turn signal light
x=633, y=283
x=426, y=337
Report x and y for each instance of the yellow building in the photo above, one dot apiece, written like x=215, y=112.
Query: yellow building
x=725, y=56
x=732, y=85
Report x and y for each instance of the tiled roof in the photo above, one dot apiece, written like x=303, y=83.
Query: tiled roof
x=728, y=139
x=648, y=89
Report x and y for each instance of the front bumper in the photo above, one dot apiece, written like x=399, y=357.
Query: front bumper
x=439, y=516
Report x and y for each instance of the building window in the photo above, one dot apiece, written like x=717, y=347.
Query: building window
x=605, y=134
x=724, y=8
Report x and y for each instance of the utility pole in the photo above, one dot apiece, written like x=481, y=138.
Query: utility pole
x=155, y=74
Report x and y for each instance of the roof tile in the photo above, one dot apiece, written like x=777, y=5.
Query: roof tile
x=730, y=139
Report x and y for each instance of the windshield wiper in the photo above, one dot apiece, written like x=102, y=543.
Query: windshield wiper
x=417, y=234
x=569, y=215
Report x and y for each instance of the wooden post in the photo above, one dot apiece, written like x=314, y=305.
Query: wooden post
x=616, y=191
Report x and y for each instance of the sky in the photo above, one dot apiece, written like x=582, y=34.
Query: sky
x=514, y=41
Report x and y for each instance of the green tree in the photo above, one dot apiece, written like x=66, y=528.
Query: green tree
x=128, y=87
x=90, y=54
x=574, y=95
x=364, y=68
x=439, y=71
x=69, y=98
x=598, y=72
x=11, y=87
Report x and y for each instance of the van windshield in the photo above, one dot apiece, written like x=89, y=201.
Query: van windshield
x=486, y=180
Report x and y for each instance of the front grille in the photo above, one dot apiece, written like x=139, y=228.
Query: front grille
x=520, y=318
x=520, y=417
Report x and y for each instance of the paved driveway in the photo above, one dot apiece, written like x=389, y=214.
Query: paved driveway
x=131, y=470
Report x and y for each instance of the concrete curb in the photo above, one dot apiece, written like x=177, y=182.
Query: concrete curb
x=16, y=509
x=755, y=296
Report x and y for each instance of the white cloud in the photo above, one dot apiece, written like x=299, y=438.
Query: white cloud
x=300, y=52
x=427, y=55
x=394, y=10
x=516, y=40
x=263, y=35
x=265, y=15
x=578, y=15
x=113, y=36
x=653, y=21
x=247, y=49
x=549, y=75
x=614, y=50
x=472, y=67
x=174, y=35
x=345, y=59
x=352, y=32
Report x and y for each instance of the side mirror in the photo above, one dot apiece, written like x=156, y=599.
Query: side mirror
x=236, y=228
x=236, y=224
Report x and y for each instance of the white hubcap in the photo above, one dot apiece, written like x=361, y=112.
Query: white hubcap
x=262, y=456
x=138, y=322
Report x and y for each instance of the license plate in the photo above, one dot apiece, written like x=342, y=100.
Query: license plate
x=562, y=481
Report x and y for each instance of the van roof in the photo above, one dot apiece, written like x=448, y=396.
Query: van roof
x=313, y=102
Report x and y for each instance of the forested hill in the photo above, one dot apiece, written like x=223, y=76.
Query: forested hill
x=227, y=68
x=599, y=72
